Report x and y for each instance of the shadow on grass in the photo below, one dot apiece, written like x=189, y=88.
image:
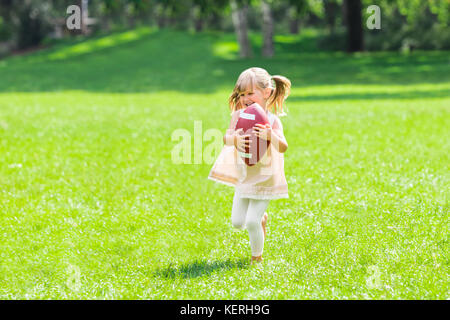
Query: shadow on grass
x=369, y=96
x=146, y=60
x=201, y=268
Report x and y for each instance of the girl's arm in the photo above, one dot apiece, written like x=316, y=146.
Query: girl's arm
x=229, y=138
x=233, y=138
x=280, y=143
x=274, y=134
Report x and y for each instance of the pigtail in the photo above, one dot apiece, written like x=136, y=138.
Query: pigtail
x=244, y=80
x=233, y=101
x=281, y=92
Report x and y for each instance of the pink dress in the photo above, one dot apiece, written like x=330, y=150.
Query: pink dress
x=264, y=180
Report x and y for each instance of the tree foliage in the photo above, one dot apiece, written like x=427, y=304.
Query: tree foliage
x=411, y=24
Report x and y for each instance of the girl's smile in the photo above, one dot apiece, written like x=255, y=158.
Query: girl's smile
x=254, y=96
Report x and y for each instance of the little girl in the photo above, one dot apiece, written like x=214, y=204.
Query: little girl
x=254, y=185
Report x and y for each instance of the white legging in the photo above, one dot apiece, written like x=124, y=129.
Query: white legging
x=248, y=213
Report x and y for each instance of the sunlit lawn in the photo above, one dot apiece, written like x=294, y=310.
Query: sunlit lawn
x=92, y=206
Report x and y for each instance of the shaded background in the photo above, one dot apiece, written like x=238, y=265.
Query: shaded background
x=405, y=25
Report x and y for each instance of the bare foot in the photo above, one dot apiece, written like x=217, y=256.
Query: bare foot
x=264, y=223
x=256, y=259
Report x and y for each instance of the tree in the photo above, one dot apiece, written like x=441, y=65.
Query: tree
x=353, y=20
x=410, y=24
x=239, y=17
x=296, y=10
x=267, y=30
x=111, y=9
x=27, y=22
x=331, y=8
x=204, y=9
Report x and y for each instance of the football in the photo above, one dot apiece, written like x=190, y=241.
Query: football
x=248, y=118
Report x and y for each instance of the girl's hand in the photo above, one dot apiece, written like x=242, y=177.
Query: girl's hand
x=263, y=131
x=241, y=141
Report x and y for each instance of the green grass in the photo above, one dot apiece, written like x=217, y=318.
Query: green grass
x=91, y=205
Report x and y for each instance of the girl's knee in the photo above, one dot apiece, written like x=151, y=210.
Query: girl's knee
x=252, y=224
x=238, y=223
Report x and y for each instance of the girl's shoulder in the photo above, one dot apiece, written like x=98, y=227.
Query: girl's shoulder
x=274, y=118
x=275, y=121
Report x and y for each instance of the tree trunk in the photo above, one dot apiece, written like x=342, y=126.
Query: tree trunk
x=6, y=9
x=6, y=47
x=294, y=20
x=131, y=13
x=267, y=29
x=239, y=16
x=198, y=25
x=353, y=17
x=84, y=17
x=294, y=26
x=330, y=8
x=106, y=23
x=198, y=18
x=161, y=15
x=215, y=21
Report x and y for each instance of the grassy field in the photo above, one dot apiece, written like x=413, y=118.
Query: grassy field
x=91, y=205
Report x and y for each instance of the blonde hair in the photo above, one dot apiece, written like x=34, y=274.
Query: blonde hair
x=262, y=79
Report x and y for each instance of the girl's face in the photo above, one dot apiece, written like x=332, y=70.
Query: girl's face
x=250, y=96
